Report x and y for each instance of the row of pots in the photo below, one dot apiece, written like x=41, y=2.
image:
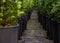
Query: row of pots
x=12, y=34
x=23, y=23
x=51, y=26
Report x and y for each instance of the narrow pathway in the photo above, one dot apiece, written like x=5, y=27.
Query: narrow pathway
x=35, y=32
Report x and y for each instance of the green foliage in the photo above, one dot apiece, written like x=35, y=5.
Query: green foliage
x=9, y=12
x=56, y=10
x=49, y=7
x=27, y=5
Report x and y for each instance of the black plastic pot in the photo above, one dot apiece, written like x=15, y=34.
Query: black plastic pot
x=41, y=18
x=9, y=34
x=50, y=29
x=29, y=14
x=20, y=28
x=47, y=25
x=44, y=22
x=56, y=32
x=25, y=22
x=22, y=24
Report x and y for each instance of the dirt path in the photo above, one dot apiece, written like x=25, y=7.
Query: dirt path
x=34, y=32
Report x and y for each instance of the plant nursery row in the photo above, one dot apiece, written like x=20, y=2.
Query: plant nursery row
x=49, y=16
x=14, y=15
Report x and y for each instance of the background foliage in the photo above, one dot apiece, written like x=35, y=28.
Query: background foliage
x=49, y=7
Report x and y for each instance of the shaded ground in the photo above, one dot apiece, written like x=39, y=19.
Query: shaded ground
x=34, y=32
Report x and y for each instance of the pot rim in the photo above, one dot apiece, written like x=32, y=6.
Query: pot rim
x=9, y=27
x=55, y=20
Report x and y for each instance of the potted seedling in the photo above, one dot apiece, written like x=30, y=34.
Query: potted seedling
x=8, y=21
x=56, y=21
